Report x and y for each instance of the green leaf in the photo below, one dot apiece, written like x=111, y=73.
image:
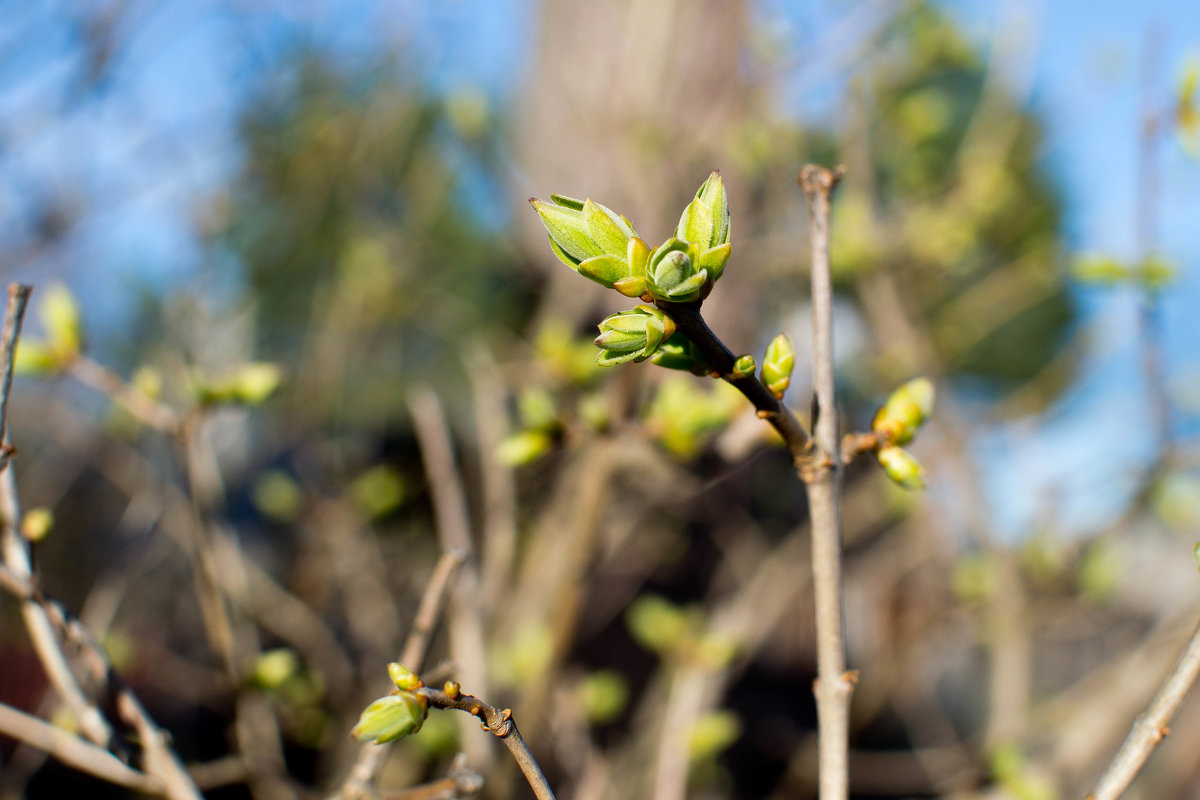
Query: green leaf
x=605, y=270
x=566, y=227
x=696, y=225
x=715, y=259
x=606, y=229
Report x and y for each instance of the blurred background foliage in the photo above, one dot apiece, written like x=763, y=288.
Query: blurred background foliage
x=640, y=591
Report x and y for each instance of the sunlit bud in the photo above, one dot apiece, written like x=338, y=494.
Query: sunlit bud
x=391, y=717
x=603, y=695
x=705, y=223
x=590, y=238
x=34, y=358
x=254, y=383
x=403, y=677
x=901, y=467
x=744, y=367
x=778, y=362
x=632, y=335
x=523, y=447
x=905, y=410
x=712, y=733
x=673, y=274
x=658, y=624
x=60, y=315
x=678, y=352
x=36, y=524
x=273, y=668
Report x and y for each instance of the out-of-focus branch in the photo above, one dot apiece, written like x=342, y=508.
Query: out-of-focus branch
x=17, y=557
x=370, y=756
x=138, y=404
x=822, y=481
x=73, y=751
x=1151, y=726
x=454, y=531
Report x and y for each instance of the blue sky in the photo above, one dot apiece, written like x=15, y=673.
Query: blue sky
x=161, y=137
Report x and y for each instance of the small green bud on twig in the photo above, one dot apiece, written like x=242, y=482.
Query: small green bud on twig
x=391, y=717
x=901, y=467
x=632, y=335
x=906, y=409
x=744, y=367
x=403, y=677
x=778, y=363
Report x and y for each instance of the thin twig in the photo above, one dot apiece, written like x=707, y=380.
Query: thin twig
x=462, y=781
x=454, y=531
x=18, y=299
x=136, y=403
x=822, y=480
x=498, y=721
x=73, y=751
x=691, y=324
x=18, y=560
x=1150, y=728
x=416, y=648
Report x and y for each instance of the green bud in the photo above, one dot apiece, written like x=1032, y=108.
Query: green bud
x=273, y=668
x=378, y=491
x=778, y=362
x=632, y=335
x=60, y=315
x=674, y=274
x=404, y=678
x=713, y=733
x=744, y=367
x=603, y=696
x=148, y=381
x=658, y=624
x=36, y=524
x=901, y=467
x=277, y=495
x=523, y=447
x=391, y=717
x=905, y=410
x=678, y=352
x=253, y=383
x=590, y=238
x=34, y=358
x=705, y=223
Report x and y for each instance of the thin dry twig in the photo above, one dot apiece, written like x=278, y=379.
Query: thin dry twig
x=370, y=756
x=822, y=481
x=73, y=751
x=467, y=641
x=498, y=721
x=1151, y=727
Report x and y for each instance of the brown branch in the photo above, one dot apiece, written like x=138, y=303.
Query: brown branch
x=822, y=481
x=416, y=648
x=135, y=402
x=462, y=781
x=69, y=749
x=498, y=722
x=691, y=324
x=1151, y=726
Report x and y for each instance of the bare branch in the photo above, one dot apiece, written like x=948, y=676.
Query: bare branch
x=73, y=751
x=1150, y=728
x=822, y=480
x=499, y=722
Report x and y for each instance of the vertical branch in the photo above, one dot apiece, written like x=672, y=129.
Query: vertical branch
x=16, y=554
x=822, y=481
